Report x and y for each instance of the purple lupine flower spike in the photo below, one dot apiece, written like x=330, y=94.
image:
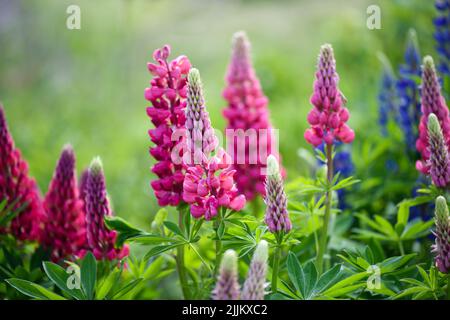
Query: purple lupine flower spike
x=328, y=117
x=439, y=159
x=277, y=217
x=227, y=285
x=65, y=225
x=441, y=248
x=432, y=102
x=255, y=283
x=100, y=239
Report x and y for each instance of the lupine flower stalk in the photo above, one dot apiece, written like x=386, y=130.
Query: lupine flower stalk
x=246, y=112
x=408, y=93
x=329, y=116
x=432, y=102
x=167, y=94
x=441, y=248
x=387, y=97
x=277, y=216
x=20, y=191
x=439, y=161
x=254, y=285
x=442, y=35
x=208, y=184
x=101, y=240
x=65, y=225
x=227, y=285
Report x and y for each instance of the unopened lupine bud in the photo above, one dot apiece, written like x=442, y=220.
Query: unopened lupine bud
x=227, y=285
x=328, y=118
x=254, y=285
x=201, y=140
x=20, y=191
x=441, y=248
x=101, y=240
x=277, y=217
x=439, y=159
x=432, y=102
x=65, y=224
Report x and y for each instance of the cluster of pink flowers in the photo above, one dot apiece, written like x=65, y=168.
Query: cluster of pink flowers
x=247, y=109
x=20, y=191
x=432, y=102
x=209, y=182
x=167, y=93
x=101, y=240
x=328, y=117
x=65, y=225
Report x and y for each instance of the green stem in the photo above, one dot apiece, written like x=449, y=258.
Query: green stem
x=276, y=265
x=324, y=232
x=217, y=222
x=401, y=248
x=180, y=262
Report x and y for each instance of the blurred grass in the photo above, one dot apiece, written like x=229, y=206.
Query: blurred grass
x=86, y=86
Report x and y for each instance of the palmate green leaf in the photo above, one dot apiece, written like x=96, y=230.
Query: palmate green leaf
x=161, y=249
x=310, y=272
x=88, y=272
x=418, y=229
x=59, y=276
x=345, y=183
x=33, y=290
x=174, y=228
x=346, y=285
x=123, y=228
x=150, y=239
x=105, y=286
x=296, y=274
x=126, y=289
x=394, y=263
x=329, y=278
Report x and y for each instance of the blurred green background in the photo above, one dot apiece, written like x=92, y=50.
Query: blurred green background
x=86, y=86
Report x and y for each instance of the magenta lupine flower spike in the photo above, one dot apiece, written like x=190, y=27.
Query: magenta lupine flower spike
x=441, y=248
x=208, y=184
x=255, y=283
x=432, y=102
x=18, y=188
x=201, y=139
x=247, y=112
x=65, y=225
x=277, y=216
x=439, y=163
x=100, y=239
x=227, y=285
x=329, y=116
x=167, y=93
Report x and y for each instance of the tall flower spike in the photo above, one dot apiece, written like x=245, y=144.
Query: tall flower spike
x=65, y=226
x=20, y=191
x=408, y=93
x=441, y=248
x=277, y=217
x=442, y=35
x=201, y=140
x=100, y=239
x=227, y=285
x=254, y=285
x=432, y=102
x=439, y=159
x=167, y=93
x=328, y=117
x=246, y=112
x=387, y=97
x=209, y=182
